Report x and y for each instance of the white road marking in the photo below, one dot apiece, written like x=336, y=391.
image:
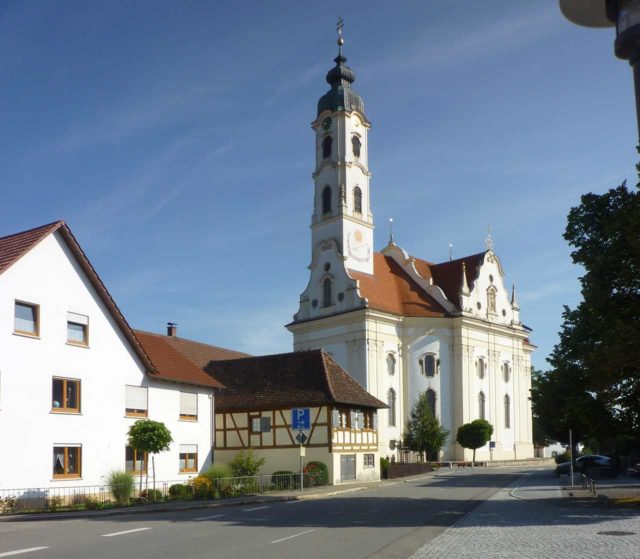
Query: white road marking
x=21, y=551
x=256, y=508
x=208, y=517
x=125, y=532
x=294, y=536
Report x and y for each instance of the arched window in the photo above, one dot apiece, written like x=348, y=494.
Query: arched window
x=357, y=200
x=391, y=364
x=326, y=147
x=326, y=292
x=506, y=372
x=326, y=200
x=491, y=300
x=355, y=143
x=430, y=365
x=431, y=401
x=507, y=412
x=481, y=366
x=391, y=401
x=481, y=405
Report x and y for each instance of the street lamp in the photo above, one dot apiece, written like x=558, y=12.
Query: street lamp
x=625, y=15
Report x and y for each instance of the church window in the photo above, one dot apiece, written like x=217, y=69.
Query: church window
x=355, y=142
x=430, y=365
x=491, y=300
x=357, y=200
x=326, y=147
x=431, y=401
x=481, y=367
x=391, y=364
x=326, y=200
x=326, y=293
x=506, y=371
x=507, y=412
x=481, y=405
x=391, y=401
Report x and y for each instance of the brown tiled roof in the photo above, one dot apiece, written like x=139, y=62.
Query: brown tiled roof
x=448, y=275
x=180, y=360
x=391, y=290
x=14, y=247
x=300, y=378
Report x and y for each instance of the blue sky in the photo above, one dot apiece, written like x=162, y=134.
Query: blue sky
x=174, y=139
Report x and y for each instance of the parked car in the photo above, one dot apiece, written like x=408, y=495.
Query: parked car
x=584, y=463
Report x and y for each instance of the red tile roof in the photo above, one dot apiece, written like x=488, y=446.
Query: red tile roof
x=300, y=378
x=391, y=290
x=448, y=275
x=13, y=247
x=180, y=360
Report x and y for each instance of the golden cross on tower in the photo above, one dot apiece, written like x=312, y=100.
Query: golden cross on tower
x=339, y=27
x=488, y=242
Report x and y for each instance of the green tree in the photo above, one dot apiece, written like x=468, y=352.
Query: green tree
x=151, y=437
x=474, y=435
x=424, y=434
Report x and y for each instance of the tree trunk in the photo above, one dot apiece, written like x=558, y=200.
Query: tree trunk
x=473, y=461
x=153, y=465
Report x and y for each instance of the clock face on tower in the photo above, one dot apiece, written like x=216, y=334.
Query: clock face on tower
x=326, y=123
x=357, y=247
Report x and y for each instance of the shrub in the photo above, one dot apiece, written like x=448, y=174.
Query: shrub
x=121, y=486
x=179, y=491
x=246, y=464
x=202, y=487
x=318, y=473
x=384, y=467
x=54, y=503
x=564, y=457
x=7, y=504
x=150, y=495
x=285, y=479
x=91, y=502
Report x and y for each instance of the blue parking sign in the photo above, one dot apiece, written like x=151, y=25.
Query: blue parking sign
x=301, y=419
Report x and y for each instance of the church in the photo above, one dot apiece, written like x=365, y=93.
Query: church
x=401, y=325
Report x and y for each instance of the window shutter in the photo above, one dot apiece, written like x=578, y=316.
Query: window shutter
x=265, y=424
x=375, y=420
x=188, y=449
x=136, y=397
x=353, y=419
x=188, y=403
x=335, y=419
x=77, y=318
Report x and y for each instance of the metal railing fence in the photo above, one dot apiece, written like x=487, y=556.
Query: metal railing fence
x=91, y=497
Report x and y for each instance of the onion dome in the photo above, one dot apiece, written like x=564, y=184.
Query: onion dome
x=341, y=97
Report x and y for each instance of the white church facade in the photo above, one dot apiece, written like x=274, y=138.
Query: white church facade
x=400, y=325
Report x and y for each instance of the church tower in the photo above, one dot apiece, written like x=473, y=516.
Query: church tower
x=342, y=203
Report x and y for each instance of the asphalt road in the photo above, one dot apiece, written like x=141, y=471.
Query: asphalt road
x=387, y=521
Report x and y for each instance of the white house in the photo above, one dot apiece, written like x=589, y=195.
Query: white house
x=400, y=325
x=74, y=376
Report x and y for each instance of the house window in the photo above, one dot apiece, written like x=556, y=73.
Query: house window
x=507, y=412
x=355, y=144
x=481, y=405
x=431, y=401
x=67, y=461
x=357, y=200
x=77, y=329
x=136, y=401
x=65, y=395
x=326, y=200
x=135, y=461
x=506, y=371
x=188, y=406
x=369, y=461
x=345, y=418
x=391, y=401
x=326, y=147
x=391, y=364
x=481, y=367
x=26, y=319
x=367, y=420
x=260, y=424
x=430, y=365
x=188, y=457
x=326, y=293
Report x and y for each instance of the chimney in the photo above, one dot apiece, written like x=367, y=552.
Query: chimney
x=172, y=329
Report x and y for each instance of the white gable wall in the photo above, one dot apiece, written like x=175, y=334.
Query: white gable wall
x=50, y=277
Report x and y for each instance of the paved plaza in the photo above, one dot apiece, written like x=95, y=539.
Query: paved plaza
x=531, y=519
